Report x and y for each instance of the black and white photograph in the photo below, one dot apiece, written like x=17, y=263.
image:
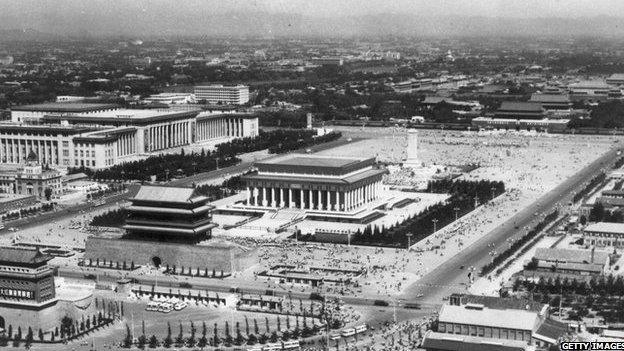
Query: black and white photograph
x=312, y=175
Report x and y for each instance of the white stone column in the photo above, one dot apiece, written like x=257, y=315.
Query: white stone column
x=290, y=201
x=337, y=202
x=319, y=205
x=273, y=204
x=281, y=197
x=311, y=192
x=174, y=134
x=301, y=202
x=264, y=197
x=255, y=196
x=348, y=200
x=328, y=206
x=248, y=196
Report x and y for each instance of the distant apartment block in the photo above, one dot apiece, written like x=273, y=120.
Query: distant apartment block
x=328, y=61
x=221, y=94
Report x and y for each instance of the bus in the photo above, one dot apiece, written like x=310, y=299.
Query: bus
x=361, y=328
x=272, y=346
x=347, y=332
x=152, y=306
x=290, y=345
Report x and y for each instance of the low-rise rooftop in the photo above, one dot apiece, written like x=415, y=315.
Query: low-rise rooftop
x=605, y=227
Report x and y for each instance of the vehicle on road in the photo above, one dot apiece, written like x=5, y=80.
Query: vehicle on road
x=348, y=332
x=179, y=306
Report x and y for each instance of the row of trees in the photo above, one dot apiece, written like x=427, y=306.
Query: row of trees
x=251, y=335
x=588, y=188
x=294, y=142
x=113, y=218
x=598, y=285
x=68, y=329
x=167, y=166
x=500, y=258
x=601, y=294
x=464, y=197
x=598, y=213
x=606, y=115
x=25, y=212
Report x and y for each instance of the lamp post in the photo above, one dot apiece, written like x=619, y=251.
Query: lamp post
x=409, y=241
x=492, y=189
x=456, y=209
x=435, y=224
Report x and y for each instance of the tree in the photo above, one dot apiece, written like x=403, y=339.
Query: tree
x=143, y=338
x=29, y=338
x=127, y=342
x=40, y=334
x=48, y=193
x=252, y=339
x=17, y=339
x=239, y=337
x=168, y=340
x=203, y=341
x=153, y=342
x=179, y=342
x=216, y=339
x=228, y=335
x=191, y=340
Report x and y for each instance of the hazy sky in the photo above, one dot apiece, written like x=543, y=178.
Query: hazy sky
x=32, y=10
x=241, y=17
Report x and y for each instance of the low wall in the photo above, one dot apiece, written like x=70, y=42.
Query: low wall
x=224, y=258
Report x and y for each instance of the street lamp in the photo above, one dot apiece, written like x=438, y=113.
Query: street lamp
x=435, y=224
x=492, y=188
x=409, y=241
x=456, y=209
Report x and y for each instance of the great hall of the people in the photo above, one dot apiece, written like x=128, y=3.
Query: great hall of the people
x=97, y=135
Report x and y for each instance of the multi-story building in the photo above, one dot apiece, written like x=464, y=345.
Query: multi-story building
x=169, y=226
x=314, y=183
x=547, y=125
x=616, y=79
x=579, y=262
x=499, y=323
x=34, y=179
x=99, y=139
x=433, y=341
x=328, y=61
x=222, y=94
x=25, y=275
x=169, y=214
x=520, y=110
x=552, y=101
x=33, y=113
x=171, y=98
x=604, y=234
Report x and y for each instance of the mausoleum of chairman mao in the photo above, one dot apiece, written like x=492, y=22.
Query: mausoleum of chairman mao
x=314, y=183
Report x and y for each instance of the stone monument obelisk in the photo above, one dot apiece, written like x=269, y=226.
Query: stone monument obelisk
x=412, y=160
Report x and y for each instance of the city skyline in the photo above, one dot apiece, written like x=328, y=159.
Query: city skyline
x=301, y=18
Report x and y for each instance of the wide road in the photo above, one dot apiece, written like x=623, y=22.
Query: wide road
x=449, y=278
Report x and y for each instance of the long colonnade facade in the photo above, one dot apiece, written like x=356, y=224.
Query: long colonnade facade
x=314, y=183
x=103, y=138
x=231, y=125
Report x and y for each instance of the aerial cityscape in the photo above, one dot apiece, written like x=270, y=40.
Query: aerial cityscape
x=312, y=175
